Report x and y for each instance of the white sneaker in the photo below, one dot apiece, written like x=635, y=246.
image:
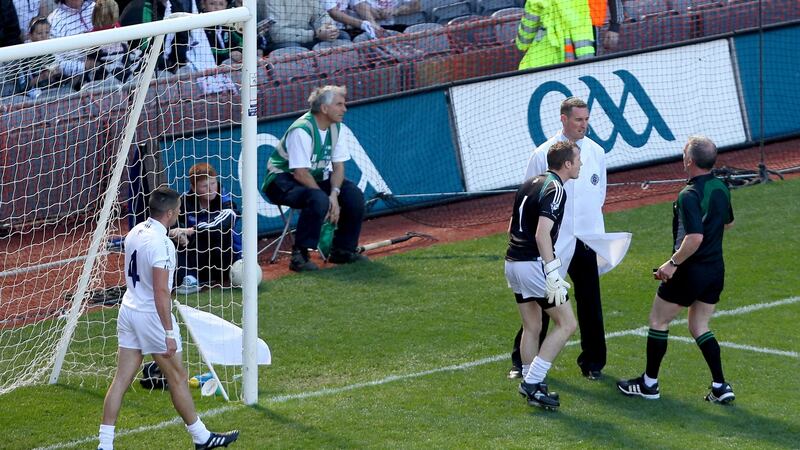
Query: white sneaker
x=190, y=285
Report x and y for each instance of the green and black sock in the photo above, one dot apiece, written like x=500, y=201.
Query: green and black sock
x=656, y=349
x=710, y=347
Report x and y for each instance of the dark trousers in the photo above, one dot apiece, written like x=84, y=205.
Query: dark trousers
x=586, y=288
x=207, y=257
x=313, y=205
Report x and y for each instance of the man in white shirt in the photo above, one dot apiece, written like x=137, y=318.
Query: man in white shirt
x=583, y=215
x=145, y=324
x=71, y=17
x=306, y=172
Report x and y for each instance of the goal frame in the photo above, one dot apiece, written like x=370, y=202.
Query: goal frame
x=248, y=176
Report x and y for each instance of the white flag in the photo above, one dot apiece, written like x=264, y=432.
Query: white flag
x=220, y=340
x=610, y=248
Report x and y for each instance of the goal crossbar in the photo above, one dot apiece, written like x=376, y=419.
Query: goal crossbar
x=175, y=24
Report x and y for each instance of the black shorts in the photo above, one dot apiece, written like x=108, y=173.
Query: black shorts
x=542, y=301
x=695, y=282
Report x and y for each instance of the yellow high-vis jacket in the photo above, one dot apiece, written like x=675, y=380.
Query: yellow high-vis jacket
x=554, y=31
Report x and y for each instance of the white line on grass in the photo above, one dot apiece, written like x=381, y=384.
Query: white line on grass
x=330, y=391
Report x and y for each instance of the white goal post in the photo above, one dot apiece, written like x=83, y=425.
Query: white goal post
x=69, y=184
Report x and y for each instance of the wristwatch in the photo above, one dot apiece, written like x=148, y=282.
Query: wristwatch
x=672, y=261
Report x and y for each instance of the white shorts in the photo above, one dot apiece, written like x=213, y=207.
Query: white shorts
x=526, y=278
x=143, y=331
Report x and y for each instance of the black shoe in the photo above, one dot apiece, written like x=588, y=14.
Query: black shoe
x=300, y=262
x=723, y=394
x=218, y=440
x=636, y=386
x=345, y=257
x=537, y=395
x=515, y=372
x=593, y=375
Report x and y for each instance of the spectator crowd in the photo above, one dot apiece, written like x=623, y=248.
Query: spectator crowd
x=286, y=26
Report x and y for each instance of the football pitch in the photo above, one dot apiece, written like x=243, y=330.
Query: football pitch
x=411, y=351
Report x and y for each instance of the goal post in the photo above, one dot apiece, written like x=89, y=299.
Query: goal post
x=70, y=144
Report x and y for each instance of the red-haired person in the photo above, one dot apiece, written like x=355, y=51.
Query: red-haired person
x=208, y=240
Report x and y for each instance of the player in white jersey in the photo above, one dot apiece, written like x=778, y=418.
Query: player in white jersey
x=146, y=326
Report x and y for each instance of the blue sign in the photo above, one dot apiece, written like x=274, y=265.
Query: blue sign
x=401, y=158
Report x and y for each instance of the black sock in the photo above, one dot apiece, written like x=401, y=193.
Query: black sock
x=656, y=349
x=710, y=347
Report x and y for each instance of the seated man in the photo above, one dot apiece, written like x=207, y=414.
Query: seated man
x=300, y=177
x=209, y=243
x=299, y=23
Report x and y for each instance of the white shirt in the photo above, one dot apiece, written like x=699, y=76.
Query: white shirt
x=26, y=11
x=341, y=5
x=583, y=213
x=65, y=21
x=300, y=147
x=146, y=247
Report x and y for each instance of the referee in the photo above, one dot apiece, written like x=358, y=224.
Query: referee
x=695, y=274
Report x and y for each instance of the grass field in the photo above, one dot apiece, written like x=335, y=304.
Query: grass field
x=410, y=351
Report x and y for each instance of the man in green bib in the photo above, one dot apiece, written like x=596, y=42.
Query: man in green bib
x=306, y=172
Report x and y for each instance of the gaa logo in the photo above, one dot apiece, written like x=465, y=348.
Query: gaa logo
x=595, y=179
x=616, y=114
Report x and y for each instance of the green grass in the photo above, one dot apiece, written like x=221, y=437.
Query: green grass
x=448, y=305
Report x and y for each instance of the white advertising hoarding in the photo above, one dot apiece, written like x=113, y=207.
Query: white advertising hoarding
x=642, y=107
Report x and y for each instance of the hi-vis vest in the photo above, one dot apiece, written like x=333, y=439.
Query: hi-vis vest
x=598, y=10
x=320, y=153
x=554, y=31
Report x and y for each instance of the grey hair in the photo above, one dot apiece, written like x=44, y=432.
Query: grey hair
x=324, y=95
x=702, y=150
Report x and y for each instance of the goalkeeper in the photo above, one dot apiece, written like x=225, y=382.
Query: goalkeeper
x=531, y=268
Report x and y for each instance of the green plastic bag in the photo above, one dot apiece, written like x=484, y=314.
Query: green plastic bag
x=326, y=239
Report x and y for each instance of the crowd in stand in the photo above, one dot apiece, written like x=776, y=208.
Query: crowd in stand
x=282, y=24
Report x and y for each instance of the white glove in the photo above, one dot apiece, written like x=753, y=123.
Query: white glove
x=367, y=27
x=555, y=286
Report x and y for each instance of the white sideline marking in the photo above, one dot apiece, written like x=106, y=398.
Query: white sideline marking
x=329, y=391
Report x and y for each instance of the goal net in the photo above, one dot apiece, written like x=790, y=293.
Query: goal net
x=86, y=132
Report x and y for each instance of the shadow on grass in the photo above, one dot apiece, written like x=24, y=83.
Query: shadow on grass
x=301, y=431
x=727, y=422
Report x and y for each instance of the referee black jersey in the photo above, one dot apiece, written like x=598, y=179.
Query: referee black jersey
x=704, y=207
x=542, y=195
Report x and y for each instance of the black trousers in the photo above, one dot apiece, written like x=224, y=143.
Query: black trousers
x=313, y=205
x=586, y=288
x=207, y=257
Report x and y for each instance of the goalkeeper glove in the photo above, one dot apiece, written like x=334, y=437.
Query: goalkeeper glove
x=555, y=286
x=367, y=27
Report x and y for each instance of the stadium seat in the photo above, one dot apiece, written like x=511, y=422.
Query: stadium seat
x=419, y=45
x=292, y=70
x=286, y=51
x=508, y=12
x=641, y=9
x=445, y=13
x=731, y=18
x=702, y=5
x=364, y=37
x=104, y=85
x=506, y=31
x=656, y=31
x=469, y=32
x=486, y=7
x=423, y=27
x=331, y=44
x=411, y=19
x=780, y=11
x=337, y=61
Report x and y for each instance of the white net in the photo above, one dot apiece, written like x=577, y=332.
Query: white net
x=63, y=213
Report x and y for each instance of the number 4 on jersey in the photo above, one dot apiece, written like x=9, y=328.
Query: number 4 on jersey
x=132, y=272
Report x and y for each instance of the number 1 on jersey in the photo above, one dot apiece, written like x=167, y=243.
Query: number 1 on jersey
x=132, y=272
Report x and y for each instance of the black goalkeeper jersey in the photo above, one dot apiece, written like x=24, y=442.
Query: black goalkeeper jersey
x=542, y=195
